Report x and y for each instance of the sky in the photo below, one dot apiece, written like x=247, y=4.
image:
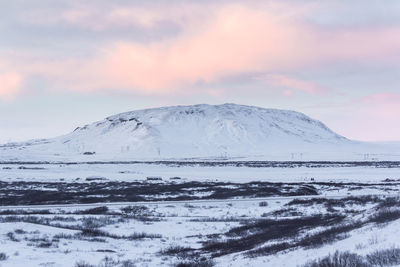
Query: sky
x=68, y=63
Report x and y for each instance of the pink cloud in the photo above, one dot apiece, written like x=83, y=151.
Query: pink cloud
x=288, y=93
x=112, y=15
x=238, y=40
x=10, y=84
x=294, y=84
x=87, y=17
x=234, y=39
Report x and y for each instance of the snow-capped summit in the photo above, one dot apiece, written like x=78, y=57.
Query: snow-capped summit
x=198, y=131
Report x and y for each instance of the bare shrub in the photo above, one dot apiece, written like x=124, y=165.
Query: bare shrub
x=136, y=210
x=175, y=250
x=385, y=215
x=390, y=202
x=381, y=258
x=19, y=231
x=3, y=256
x=142, y=235
x=339, y=259
x=12, y=237
x=196, y=262
x=108, y=262
x=128, y=263
x=314, y=240
x=385, y=257
x=83, y=264
x=96, y=222
x=94, y=211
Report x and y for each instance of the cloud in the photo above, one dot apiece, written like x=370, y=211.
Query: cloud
x=294, y=84
x=234, y=39
x=237, y=40
x=240, y=40
x=106, y=15
x=10, y=84
x=87, y=17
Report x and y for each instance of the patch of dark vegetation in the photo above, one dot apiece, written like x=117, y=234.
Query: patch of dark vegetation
x=100, y=190
x=223, y=219
x=389, y=202
x=19, y=231
x=49, y=221
x=106, y=250
x=329, y=235
x=342, y=202
x=142, y=235
x=83, y=264
x=291, y=233
x=252, y=164
x=42, y=241
x=385, y=215
x=141, y=213
x=99, y=233
x=30, y=168
x=88, y=227
x=96, y=178
x=94, y=191
x=309, y=241
x=3, y=256
x=291, y=212
x=314, y=240
x=97, y=222
x=381, y=258
x=385, y=257
x=202, y=262
x=107, y=262
x=94, y=211
x=339, y=259
x=45, y=244
x=77, y=236
x=176, y=250
x=11, y=236
x=24, y=212
x=253, y=234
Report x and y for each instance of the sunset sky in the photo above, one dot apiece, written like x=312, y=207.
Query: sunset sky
x=67, y=63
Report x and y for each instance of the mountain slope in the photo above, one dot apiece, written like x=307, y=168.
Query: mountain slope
x=210, y=131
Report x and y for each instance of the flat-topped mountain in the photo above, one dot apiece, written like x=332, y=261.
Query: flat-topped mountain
x=198, y=131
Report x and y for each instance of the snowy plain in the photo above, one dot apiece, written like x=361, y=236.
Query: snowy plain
x=168, y=234
x=202, y=185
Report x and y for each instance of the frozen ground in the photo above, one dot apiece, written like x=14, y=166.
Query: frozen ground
x=258, y=214
x=205, y=171
x=249, y=233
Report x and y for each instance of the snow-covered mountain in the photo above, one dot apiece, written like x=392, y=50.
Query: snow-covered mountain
x=199, y=131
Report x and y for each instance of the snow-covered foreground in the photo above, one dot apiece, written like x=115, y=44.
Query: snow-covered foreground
x=250, y=233
x=259, y=214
